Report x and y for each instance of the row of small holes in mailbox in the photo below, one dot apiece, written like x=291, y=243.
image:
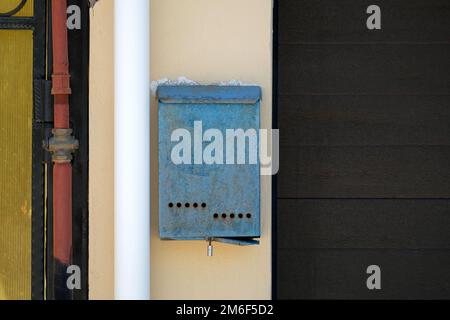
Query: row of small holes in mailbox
x=232, y=215
x=187, y=205
x=203, y=205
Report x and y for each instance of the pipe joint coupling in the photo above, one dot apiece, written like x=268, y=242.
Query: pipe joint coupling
x=62, y=145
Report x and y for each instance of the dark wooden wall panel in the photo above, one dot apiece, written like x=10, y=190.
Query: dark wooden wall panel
x=345, y=20
x=364, y=69
x=364, y=118
x=341, y=274
x=364, y=223
x=353, y=120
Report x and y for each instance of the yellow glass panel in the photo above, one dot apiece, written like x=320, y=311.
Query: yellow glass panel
x=16, y=110
x=8, y=5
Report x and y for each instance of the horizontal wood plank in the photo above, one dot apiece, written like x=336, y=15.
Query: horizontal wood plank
x=345, y=20
x=364, y=69
x=363, y=223
x=364, y=120
x=364, y=172
x=341, y=274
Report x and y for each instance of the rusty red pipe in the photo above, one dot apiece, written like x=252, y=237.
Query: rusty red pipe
x=62, y=212
x=62, y=170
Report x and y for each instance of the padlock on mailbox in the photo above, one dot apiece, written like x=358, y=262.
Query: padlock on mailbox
x=209, y=174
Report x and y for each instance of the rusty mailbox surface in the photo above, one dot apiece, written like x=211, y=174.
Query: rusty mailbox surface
x=202, y=194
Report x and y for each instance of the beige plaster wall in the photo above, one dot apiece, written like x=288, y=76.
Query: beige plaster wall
x=208, y=41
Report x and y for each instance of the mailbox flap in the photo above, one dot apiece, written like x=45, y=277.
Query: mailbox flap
x=238, y=241
x=209, y=94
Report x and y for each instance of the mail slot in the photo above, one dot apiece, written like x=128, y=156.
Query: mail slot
x=209, y=175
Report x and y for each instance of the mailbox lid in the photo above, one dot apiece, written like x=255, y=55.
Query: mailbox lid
x=216, y=94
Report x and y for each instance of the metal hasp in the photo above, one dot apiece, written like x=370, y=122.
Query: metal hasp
x=199, y=200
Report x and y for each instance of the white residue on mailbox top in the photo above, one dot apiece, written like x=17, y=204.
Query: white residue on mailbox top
x=184, y=81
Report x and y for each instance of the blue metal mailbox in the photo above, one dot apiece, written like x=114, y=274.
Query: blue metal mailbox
x=198, y=199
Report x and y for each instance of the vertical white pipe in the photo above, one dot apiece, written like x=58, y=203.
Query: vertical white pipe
x=132, y=149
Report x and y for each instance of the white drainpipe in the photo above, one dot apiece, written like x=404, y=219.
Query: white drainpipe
x=132, y=149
